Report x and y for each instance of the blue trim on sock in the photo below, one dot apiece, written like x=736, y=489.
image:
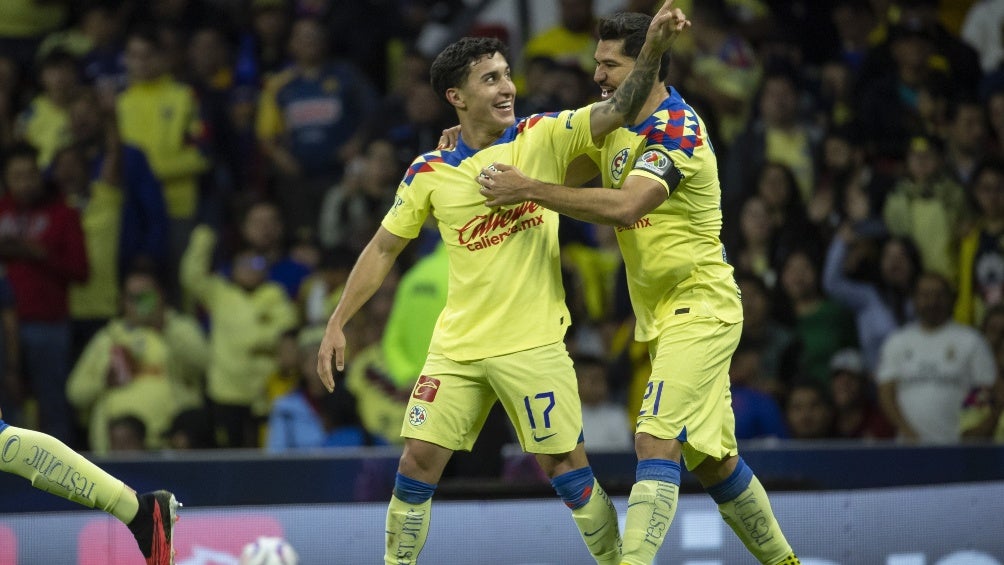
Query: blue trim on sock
x=575, y=488
x=665, y=470
x=3, y=426
x=412, y=491
x=734, y=485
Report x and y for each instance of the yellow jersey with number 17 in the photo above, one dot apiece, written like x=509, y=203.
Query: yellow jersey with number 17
x=504, y=292
x=674, y=257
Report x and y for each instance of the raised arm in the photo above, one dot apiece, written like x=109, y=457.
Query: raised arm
x=624, y=105
x=365, y=279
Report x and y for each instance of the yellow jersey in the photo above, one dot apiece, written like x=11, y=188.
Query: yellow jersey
x=504, y=291
x=674, y=257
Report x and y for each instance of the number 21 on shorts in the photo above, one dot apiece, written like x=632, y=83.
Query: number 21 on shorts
x=649, y=390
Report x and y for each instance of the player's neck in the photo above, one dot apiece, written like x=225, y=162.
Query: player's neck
x=479, y=136
x=655, y=98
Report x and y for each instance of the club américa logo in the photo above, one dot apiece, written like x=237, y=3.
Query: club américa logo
x=618, y=163
x=418, y=415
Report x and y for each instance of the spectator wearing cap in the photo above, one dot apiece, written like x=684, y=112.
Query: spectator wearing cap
x=856, y=412
x=929, y=207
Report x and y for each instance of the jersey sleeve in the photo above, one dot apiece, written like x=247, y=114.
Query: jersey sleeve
x=668, y=157
x=411, y=204
x=568, y=133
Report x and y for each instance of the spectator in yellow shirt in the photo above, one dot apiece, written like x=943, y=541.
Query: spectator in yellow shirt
x=248, y=316
x=149, y=363
x=160, y=116
x=45, y=123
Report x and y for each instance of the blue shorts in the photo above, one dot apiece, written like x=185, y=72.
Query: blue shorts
x=3, y=426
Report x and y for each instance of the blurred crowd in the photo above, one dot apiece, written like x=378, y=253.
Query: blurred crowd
x=186, y=184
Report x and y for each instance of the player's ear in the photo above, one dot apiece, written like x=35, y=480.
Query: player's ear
x=454, y=97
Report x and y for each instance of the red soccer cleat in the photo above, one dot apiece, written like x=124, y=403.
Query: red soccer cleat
x=153, y=526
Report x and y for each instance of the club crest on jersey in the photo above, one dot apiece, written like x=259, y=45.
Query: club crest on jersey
x=426, y=389
x=418, y=415
x=618, y=163
x=654, y=161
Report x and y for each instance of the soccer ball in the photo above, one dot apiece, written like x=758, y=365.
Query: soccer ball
x=269, y=551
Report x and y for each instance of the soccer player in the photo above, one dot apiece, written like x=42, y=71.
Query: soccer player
x=500, y=336
x=684, y=297
x=55, y=468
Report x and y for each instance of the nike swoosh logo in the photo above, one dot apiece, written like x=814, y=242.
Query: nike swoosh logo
x=598, y=530
x=535, y=438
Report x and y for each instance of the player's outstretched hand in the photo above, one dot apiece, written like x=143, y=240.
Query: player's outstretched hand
x=666, y=25
x=504, y=184
x=332, y=348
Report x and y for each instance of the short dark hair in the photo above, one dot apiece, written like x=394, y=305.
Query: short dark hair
x=989, y=165
x=58, y=57
x=632, y=27
x=130, y=422
x=21, y=150
x=453, y=64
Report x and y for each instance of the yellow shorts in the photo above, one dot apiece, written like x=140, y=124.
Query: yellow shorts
x=688, y=396
x=537, y=388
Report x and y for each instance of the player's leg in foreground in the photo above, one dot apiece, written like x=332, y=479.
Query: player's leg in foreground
x=743, y=504
x=410, y=510
x=593, y=512
x=544, y=407
x=689, y=417
x=53, y=467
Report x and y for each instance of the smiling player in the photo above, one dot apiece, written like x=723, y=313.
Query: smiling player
x=686, y=302
x=500, y=336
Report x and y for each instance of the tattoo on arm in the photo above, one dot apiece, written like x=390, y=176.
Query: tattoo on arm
x=631, y=94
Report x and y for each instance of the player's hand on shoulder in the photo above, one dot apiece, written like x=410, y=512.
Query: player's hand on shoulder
x=448, y=140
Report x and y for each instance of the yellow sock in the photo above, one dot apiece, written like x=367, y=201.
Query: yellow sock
x=597, y=521
x=651, y=507
x=407, y=528
x=55, y=468
x=751, y=518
